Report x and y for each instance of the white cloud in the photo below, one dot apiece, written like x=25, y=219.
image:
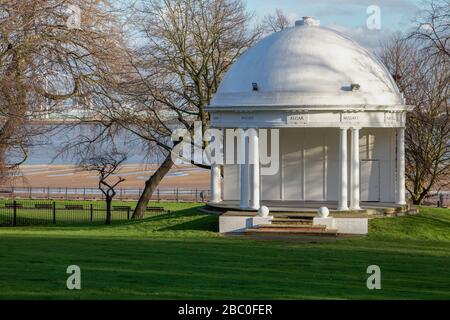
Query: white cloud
x=333, y=11
x=404, y=5
x=426, y=27
x=370, y=39
x=292, y=16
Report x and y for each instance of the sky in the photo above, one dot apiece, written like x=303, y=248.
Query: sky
x=347, y=16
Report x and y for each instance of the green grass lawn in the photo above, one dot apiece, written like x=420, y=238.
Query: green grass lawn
x=182, y=256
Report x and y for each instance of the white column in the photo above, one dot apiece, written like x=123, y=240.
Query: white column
x=254, y=169
x=244, y=171
x=216, y=192
x=401, y=166
x=343, y=187
x=354, y=175
x=216, y=176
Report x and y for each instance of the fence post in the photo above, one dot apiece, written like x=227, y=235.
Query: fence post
x=128, y=213
x=14, y=213
x=121, y=194
x=84, y=194
x=196, y=195
x=177, y=195
x=54, y=212
x=66, y=194
x=92, y=212
x=48, y=192
x=31, y=196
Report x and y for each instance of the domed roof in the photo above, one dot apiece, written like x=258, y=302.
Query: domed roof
x=307, y=65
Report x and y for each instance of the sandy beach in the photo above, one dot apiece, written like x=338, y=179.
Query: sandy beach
x=58, y=176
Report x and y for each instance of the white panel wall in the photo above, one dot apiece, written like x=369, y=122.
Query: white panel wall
x=315, y=164
x=370, y=180
x=232, y=177
x=310, y=161
x=379, y=145
x=332, y=143
x=232, y=189
x=271, y=185
x=291, y=148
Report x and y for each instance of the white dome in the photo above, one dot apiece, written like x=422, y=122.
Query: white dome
x=307, y=65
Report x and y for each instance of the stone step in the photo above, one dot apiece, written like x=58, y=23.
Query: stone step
x=297, y=231
x=292, y=221
x=296, y=215
x=292, y=226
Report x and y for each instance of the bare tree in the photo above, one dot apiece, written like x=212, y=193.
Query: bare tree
x=186, y=46
x=275, y=22
x=52, y=52
x=433, y=27
x=423, y=78
x=106, y=165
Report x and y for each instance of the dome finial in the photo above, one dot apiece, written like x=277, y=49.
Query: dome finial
x=307, y=21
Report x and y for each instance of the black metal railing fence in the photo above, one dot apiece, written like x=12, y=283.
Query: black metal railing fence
x=438, y=199
x=23, y=213
x=123, y=194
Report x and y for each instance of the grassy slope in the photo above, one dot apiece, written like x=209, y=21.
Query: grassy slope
x=183, y=257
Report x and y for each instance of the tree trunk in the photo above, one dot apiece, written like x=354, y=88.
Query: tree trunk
x=418, y=198
x=150, y=187
x=422, y=197
x=108, y=209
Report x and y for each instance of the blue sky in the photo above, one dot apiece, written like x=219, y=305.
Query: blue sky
x=347, y=16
